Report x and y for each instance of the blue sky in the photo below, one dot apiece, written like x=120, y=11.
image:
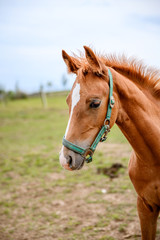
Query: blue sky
x=33, y=33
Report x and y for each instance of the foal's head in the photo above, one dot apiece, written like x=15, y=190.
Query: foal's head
x=87, y=103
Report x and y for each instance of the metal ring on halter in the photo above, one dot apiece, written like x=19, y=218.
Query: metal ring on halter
x=107, y=123
x=88, y=155
x=88, y=152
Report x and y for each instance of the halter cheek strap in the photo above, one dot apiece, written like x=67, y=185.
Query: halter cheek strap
x=102, y=135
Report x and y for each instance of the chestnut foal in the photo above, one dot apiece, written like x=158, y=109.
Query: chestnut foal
x=136, y=111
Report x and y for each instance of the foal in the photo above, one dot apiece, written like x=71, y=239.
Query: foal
x=136, y=111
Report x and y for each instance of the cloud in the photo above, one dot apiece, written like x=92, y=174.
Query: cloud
x=33, y=33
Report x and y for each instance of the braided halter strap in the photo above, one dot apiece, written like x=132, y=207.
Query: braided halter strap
x=102, y=135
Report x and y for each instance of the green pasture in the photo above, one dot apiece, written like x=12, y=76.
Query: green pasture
x=31, y=137
x=32, y=181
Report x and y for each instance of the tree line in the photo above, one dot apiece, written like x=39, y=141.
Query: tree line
x=5, y=96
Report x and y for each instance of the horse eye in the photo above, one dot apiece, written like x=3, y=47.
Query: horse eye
x=95, y=104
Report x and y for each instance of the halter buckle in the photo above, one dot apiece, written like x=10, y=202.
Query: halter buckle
x=88, y=155
x=107, y=127
x=104, y=137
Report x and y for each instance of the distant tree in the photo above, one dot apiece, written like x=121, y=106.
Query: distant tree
x=17, y=87
x=43, y=96
x=18, y=93
x=3, y=98
x=64, y=80
x=49, y=85
x=11, y=95
x=2, y=89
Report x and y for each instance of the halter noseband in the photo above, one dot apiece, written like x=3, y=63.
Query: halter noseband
x=101, y=136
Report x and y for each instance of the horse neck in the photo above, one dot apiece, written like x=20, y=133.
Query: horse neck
x=138, y=118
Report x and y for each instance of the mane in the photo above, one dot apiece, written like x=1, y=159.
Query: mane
x=136, y=70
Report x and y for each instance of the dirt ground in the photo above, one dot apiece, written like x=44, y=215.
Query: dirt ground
x=58, y=208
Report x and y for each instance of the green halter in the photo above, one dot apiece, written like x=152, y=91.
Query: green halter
x=101, y=136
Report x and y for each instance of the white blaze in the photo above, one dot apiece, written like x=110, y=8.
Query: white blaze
x=75, y=100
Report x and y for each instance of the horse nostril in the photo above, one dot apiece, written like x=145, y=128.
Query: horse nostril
x=69, y=161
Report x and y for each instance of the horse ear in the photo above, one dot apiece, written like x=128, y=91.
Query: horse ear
x=72, y=64
x=92, y=60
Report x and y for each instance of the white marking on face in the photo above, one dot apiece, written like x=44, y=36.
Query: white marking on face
x=61, y=157
x=75, y=100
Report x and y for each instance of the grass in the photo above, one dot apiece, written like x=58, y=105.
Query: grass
x=31, y=136
x=39, y=200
